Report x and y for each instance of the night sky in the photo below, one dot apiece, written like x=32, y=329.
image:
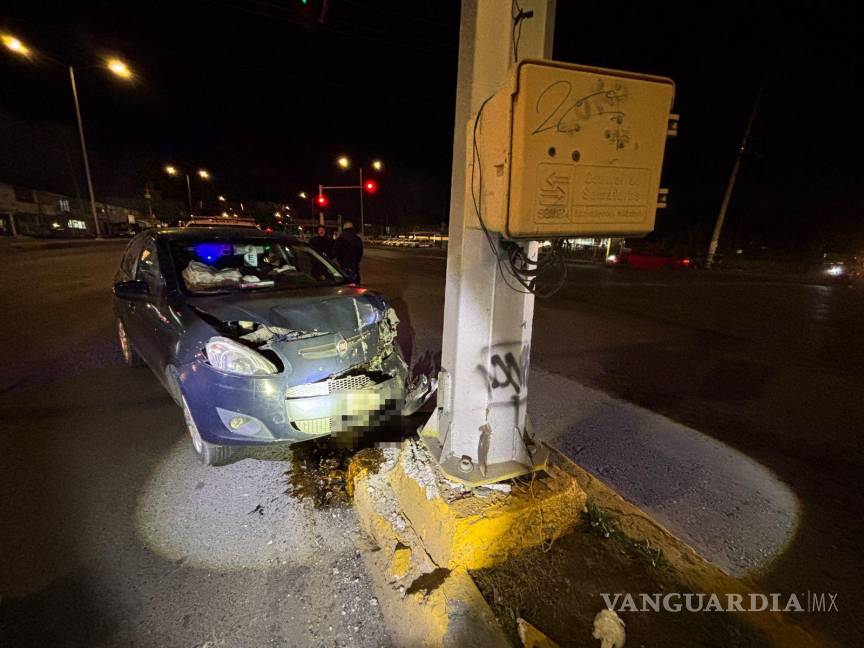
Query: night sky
x=247, y=90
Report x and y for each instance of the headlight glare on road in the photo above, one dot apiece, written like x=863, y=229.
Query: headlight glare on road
x=232, y=357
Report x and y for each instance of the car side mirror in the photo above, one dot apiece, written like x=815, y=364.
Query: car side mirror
x=131, y=289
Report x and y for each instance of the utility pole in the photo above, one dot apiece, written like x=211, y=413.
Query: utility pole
x=84, y=152
x=322, y=187
x=148, y=199
x=189, y=194
x=721, y=217
x=362, y=230
x=477, y=432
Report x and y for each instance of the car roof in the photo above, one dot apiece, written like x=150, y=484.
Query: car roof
x=220, y=232
x=221, y=221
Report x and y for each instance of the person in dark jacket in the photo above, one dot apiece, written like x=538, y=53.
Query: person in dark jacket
x=322, y=243
x=348, y=250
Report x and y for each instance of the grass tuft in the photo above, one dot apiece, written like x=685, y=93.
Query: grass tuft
x=601, y=523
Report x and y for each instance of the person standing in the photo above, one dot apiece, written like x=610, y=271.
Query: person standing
x=322, y=243
x=348, y=251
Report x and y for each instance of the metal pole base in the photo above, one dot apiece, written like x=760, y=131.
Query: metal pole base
x=464, y=470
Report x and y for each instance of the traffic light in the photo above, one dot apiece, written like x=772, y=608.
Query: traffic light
x=321, y=201
x=370, y=186
x=312, y=12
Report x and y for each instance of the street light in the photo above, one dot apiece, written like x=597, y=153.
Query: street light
x=119, y=68
x=14, y=45
x=171, y=170
x=370, y=186
x=303, y=195
x=116, y=66
x=220, y=198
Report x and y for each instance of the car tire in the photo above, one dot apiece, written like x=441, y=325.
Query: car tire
x=130, y=356
x=210, y=454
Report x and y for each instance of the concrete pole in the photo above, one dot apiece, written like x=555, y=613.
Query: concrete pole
x=477, y=429
x=84, y=153
x=721, y=217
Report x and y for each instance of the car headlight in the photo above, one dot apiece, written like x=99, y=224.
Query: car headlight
x=232, y=357
x=835, y=270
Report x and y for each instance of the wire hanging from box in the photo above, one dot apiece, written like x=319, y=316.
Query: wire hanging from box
x=518, y=15
x=517, y=263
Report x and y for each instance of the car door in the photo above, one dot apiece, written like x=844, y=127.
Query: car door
x=148, y=318
x=126, y=308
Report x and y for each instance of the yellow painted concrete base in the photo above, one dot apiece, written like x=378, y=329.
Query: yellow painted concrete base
x=477, y=531
x=429, y=532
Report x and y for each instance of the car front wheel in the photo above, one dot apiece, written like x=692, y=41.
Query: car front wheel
x=210, y=454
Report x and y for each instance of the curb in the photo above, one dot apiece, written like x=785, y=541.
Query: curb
x=695, y=571
x=423, y=604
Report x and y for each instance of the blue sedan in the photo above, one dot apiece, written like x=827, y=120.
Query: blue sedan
x=259, y=339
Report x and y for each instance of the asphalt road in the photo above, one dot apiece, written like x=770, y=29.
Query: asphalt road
x=684, y=392
x=111, y=533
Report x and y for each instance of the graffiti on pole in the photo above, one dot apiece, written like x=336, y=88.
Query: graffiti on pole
x=506, y=374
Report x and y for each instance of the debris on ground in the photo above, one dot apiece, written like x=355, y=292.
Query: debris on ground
x=319, y=471
x=419, y=464
x=609, y=629
x=366, y=460
x=531, y=637
x=258, y=509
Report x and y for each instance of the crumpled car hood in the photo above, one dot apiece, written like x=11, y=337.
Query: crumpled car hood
x=342, y=309
x=346, y=317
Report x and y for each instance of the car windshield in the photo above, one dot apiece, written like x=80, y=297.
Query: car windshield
x=211, y=265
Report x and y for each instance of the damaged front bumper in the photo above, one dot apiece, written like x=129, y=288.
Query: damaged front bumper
x=257, y=410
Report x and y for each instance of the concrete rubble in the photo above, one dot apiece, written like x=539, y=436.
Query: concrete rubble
x=426, y=532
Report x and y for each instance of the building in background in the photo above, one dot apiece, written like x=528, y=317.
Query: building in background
x=34, y=212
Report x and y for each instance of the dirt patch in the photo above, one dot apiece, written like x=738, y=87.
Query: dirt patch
x=558, y=589
x=319, y=471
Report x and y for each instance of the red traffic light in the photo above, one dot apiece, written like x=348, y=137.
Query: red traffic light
x=370, y=186
x=321, y=200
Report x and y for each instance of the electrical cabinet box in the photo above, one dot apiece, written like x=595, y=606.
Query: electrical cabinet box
x=566, y=150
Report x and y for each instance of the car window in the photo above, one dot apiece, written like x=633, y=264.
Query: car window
x=148, y=266
x=131, y=255
x=208, y=265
